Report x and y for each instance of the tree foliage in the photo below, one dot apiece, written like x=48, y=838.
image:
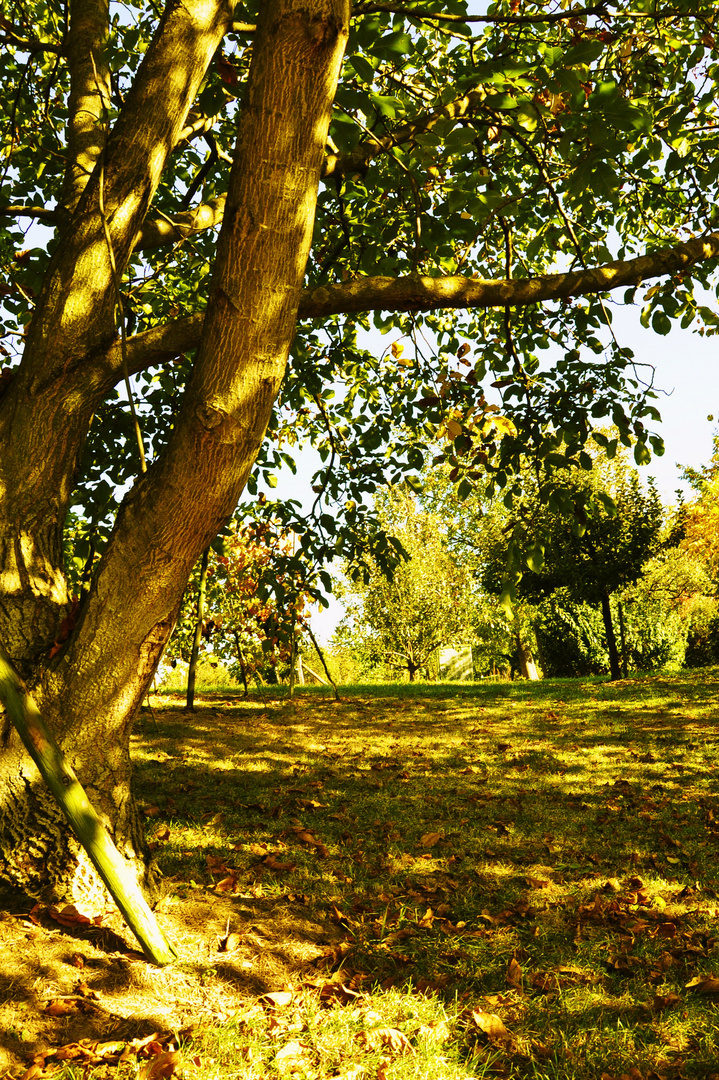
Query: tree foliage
x=224, y=200
x=253, y=603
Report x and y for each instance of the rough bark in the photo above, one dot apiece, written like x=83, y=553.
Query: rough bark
x=177, y=507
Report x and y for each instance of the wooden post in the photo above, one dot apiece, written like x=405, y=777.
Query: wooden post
x=85, y=823
x=319, y=652
x=192, y=670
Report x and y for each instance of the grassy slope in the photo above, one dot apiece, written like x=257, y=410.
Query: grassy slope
x=541, y=853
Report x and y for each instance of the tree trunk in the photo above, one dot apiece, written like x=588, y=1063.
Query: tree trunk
x=622, y=638
x=192, y=669
x=527, y=665
x=89, y=680
x=614, y=669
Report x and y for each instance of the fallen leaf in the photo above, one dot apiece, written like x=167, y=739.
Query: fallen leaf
x=228, y=884
x=290, y=1057
x=430, y=839
x=391, y=1038
x=280, y=998
x=664, y=1001
x=151, y=811
x=491, y=1026
x=230, y=942
x=216, y=865
x=161, y=1066
x=274, y=864
x=69, y=916
x=434, y=1033
x=514, y=974
x=427, y=919
x=353, y=1072
x=60, y=1007
x=707, y=985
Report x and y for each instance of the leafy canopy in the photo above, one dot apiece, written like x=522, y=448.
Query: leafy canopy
x=529, y=141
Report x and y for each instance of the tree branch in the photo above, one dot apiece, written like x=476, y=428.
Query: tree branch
x=418, y=293
x=157, y=233
x=519, y=20
x=74, y=317
x=39, y=213
x=90, y=93
x=28, y=45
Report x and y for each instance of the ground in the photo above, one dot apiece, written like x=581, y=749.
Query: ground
x=446, y=881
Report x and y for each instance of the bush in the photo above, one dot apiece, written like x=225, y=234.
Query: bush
x=570, y=638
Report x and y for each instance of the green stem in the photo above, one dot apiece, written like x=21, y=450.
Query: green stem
x=74, y=803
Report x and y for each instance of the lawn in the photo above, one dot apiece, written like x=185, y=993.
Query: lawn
x=499, y=880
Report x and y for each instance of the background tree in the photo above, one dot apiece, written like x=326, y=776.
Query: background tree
x=599, y=550
x=401, y=622
x=254, y=602
x=212, y=176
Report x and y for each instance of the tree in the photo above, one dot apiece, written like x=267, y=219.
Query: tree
x=254, y=601
x=180, y=164
x=402, y=621
x=599, y=550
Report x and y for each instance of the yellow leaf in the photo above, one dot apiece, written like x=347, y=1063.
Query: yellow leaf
x=491, y=1026
x=396, y=348
x=391, y=1038
x=504, y=425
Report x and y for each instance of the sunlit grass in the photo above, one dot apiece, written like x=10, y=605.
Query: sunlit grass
x=543, y=853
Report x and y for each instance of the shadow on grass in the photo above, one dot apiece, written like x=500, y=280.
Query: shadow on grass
x=424, y=835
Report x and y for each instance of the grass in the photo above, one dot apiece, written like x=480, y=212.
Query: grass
x=452, y=880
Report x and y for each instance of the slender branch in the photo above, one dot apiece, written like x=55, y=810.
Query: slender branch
x=39, y=213
x=121, y=316
x=77, y=808
x=158, y=232
x=519, y=20
x=421, y=293
x=30, y=45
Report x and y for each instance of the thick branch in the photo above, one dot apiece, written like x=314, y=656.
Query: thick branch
x=417, y=293
x=75, y=311
x=158, y=232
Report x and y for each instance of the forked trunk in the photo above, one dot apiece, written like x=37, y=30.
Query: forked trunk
x=90, y=679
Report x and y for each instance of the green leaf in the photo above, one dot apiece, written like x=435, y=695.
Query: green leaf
x=660, y=323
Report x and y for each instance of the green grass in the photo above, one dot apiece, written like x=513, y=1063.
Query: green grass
x=545, y=853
